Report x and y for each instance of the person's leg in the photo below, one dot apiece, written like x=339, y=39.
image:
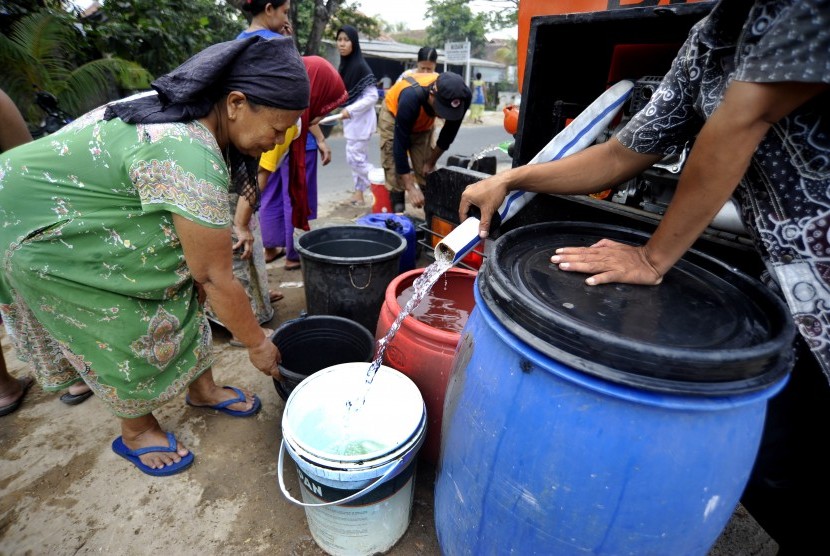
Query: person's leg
x=12, y=389
x=790, y=473
x=292, y=258
x=419, y=152
x=311, y=182
x=358, y=160
x=266, y=217
x=386, y=129
x=145, y=432
x=205, y=392
x=271, y=213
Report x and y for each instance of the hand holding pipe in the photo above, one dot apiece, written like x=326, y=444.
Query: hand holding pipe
x=330, y=119
x=580, y=133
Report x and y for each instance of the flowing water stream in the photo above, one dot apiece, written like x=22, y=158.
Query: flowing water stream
x=421, y=288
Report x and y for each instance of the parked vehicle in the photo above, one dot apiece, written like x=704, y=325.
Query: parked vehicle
x=53, y=117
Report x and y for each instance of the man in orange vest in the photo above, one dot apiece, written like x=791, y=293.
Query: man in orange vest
x=405, y=124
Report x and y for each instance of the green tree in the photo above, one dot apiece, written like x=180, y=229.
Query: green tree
x=316, y=20
x=453, y=21
x=501, y=13
x=161, y=34
x=44, y=50
x=349, y=14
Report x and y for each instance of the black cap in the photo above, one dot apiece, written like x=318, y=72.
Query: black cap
x=452, y=96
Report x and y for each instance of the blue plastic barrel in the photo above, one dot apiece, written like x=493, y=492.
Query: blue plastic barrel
x=604, y=420
x=400, y=224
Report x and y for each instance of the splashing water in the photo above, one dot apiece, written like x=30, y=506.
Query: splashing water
x=488, y=149
x=421, y=287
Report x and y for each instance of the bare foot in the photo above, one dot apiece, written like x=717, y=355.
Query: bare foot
x=79, y=388
x=203, y=395
x=13, y=391
x=145, y=432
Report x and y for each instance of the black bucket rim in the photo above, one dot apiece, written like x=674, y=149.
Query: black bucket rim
x=657, y=368
x=288, y=377
x=395, y=241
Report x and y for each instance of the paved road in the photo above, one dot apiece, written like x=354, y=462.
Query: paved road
x=335, y=180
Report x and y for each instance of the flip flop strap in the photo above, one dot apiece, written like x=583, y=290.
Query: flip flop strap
x=171, y=447
x=239, y=399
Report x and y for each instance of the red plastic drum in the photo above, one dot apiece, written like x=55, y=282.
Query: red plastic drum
x=424, y=346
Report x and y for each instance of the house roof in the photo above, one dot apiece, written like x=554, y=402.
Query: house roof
x=400, y=52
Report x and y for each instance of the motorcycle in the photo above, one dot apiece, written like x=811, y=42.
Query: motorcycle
x=54, y=117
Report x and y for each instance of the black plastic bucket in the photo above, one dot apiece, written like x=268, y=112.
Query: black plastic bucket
x=313, y=343
x=346, y=270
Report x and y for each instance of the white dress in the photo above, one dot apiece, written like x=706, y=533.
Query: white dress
x=357, y=130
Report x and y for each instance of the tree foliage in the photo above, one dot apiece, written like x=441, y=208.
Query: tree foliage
x=316, y=20
x=161, y=34
x=350, y=14
x=44, y=50
x=501, y=13
x=454, y=21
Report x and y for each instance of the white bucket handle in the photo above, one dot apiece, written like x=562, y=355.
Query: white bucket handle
x=392, y=470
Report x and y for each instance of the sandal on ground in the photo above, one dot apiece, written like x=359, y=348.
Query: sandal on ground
x=74, y=399
x=223, y=406
x=132, y=456
x=25, y=383
x=275, y=296
x=292, y=265
x=280, y=254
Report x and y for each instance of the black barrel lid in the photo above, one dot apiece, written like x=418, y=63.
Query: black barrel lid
x=706, y=329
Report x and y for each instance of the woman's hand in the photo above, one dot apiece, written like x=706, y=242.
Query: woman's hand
x=344, y=114
x=608, y=261
x=244, y=242
x=266, y=357
x=325, y=152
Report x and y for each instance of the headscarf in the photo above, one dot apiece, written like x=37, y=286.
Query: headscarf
x=269, y=72
x=327, y=93
x=356, y=73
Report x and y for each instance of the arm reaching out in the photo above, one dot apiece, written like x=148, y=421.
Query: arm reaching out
x=716, y=164
x=208, y=255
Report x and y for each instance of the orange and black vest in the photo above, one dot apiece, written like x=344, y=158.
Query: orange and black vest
x=424, y=121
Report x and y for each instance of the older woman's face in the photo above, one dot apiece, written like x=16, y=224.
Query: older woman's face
x=254, y=130
x=344, y=44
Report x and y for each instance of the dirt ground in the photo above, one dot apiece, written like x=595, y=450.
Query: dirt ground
x=63, y=490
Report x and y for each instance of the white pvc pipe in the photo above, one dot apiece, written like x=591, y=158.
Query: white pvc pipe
x=577, y=135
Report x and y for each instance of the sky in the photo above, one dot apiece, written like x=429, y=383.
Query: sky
x=410, y=12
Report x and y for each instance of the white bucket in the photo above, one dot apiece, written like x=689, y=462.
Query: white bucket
x=356, y=468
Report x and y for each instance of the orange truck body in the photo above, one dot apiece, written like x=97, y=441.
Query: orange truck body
x=531, y=8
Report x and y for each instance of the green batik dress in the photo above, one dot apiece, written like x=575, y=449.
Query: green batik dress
x=93, y=279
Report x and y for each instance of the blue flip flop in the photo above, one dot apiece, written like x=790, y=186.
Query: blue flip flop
x=121, y=449
x=223, y=406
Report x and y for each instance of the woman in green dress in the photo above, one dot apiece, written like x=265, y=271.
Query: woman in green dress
x=116, y=227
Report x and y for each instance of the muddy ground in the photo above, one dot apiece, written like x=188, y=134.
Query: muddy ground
x=63, y=490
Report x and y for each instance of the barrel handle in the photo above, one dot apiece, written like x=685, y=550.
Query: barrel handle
x=351, y=278
x=392, y=470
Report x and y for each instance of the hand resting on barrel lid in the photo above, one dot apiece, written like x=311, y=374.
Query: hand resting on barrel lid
x=753, y=102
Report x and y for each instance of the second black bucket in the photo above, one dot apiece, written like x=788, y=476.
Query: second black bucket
x=346, y=270
x=312, y=343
